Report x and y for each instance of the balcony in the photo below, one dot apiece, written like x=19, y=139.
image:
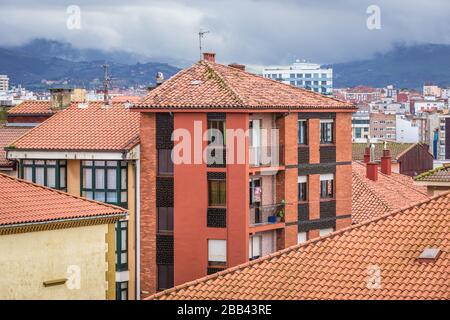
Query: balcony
x=267, y=217
x=268, y=156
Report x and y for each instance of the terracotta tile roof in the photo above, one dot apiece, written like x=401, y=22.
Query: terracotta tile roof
x=212, y=85
x=32, y=107
x=339, y=266
x=396, y=149
x=131, y=99
x=441, y=174
x=372, y=199
x=7, y=136
x=25, y=202
x=94, y=128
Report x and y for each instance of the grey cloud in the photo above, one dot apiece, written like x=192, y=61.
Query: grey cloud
x=256, y=32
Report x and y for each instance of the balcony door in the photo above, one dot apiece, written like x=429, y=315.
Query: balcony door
x=255, y=141
x=256, y=198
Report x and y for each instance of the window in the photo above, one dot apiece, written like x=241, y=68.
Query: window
x=217, y=253
x=302, y=237
x=302, y=188
x=165, y=163
x=165, y=276
x=357, y=132
x=302, y=132
x=122, y=290
x=326, y=131
x=327, y=186
x=105, y=181
x=217, y=193
x=255, y=245
x=50, y=173
x=326, y=231
x=121, y=245
x=307, y=75
x=165, y=220
x=214, y=125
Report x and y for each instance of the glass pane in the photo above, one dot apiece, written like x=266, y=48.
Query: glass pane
x=87, y=178
x=100, y=196
x=124, y=240
x=99, y=163
x=27, y=161
x=124, y=257
x=62, y=162
x=39, y=162
x=112, y=179
x=88, y=195
x=62, y=177
x=111, y=197
x=28, y=173
x=123, y=294
x=51, y=162
x=109, y=163
x=123, y=196
x=39, y=176
x=51, y=177
x=123, y=177
x=99, y=178
x=87, y=163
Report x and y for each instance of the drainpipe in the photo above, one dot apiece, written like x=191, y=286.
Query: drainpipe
x=137, y=179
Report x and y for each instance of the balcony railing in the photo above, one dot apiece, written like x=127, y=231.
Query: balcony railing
x=268, y=156
x=265, y=214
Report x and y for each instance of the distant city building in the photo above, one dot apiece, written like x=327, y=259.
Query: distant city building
x=444, y=137
x=429, y=103
x=360, y=124
x=431, y=90
x=4, y=82
x=360, y=94
x=383, y=126
x=304, y=75
x=406, y=130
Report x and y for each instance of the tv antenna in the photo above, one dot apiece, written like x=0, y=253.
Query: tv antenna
x=201, y=34
x=106, y=84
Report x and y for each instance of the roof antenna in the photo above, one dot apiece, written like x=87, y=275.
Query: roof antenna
x=106, y=84
x=201, y=34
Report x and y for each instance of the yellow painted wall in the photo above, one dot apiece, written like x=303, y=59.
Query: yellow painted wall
x=29, y=259
x=73, y=177
x=131, y=232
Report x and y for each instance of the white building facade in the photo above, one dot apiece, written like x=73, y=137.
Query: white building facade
x=4, y=83
x=304, y=75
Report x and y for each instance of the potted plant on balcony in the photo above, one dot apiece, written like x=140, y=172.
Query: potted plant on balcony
x=280, y=213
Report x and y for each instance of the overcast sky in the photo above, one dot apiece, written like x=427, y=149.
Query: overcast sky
x=246, y=31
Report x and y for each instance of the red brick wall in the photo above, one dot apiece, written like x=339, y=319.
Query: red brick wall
x=148, y=271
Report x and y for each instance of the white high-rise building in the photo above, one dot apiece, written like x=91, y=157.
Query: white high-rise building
x=4, y=83
x=305, y=75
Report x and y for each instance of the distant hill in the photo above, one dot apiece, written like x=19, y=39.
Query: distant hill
x=56, y=61
x=404, y=66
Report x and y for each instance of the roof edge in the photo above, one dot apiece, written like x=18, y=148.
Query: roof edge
x=281, y=252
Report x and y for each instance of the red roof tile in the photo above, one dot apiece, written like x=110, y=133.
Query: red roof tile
x=344, y=264
x=32, y=107
x=212, y=85
x=7, y=136
x=94, y=128
x=26, y=202
x=372, y=199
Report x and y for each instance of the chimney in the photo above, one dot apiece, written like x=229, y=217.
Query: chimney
x=372, y=166
x=159, y=78
x=209, y=56
x=367, y=155
x=60, y=98
x=386, y=162
x=237, y=66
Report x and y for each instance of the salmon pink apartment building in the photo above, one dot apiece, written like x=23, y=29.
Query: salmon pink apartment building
x=200, y=215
